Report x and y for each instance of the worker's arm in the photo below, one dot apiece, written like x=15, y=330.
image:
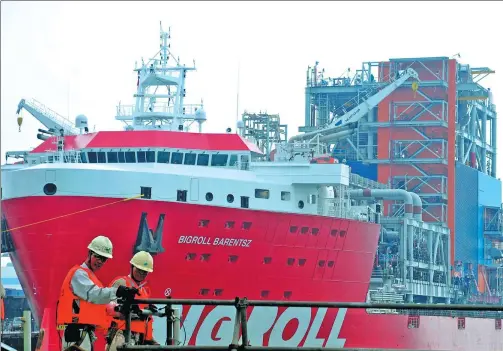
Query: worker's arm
x=84, y=288
x=119, y=282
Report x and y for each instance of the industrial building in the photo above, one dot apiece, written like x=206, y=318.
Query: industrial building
x=435, y=137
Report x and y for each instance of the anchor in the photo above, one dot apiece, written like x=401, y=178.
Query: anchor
x=148, y=240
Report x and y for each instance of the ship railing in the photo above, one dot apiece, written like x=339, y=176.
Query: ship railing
x=358, y=181
x=167, y=108
x=64, y=122
x=240, y=337
x=68, y=156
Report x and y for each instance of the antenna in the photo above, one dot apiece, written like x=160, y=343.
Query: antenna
x=237, y=96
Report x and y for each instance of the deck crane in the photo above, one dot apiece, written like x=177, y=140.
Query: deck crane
x=50, y=119
x=345, y=125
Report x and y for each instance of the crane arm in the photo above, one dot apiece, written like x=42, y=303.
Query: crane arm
x=359, y=111
x=47, y=117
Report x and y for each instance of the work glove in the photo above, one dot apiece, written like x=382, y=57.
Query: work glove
x=126, y=293
x=153, y=308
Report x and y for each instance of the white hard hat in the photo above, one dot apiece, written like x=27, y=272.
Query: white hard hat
x=143, y=261
x=102, y=246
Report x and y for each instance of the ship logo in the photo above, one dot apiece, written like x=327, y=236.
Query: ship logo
x=147, y=239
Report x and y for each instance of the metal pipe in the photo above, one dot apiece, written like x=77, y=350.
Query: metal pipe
x=404, y=306
x=321, y=132
x=169, y=324
x=417, y=206
x=128, y=325
x=494, y=144
x=410, y=266
x=335, y=136
x=389, y=194
x=176, y=326
x=27, y=330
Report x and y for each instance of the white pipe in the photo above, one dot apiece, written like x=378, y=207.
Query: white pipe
x=418, y=206
x=335, y=136
x=389, y=194
x=176, y=326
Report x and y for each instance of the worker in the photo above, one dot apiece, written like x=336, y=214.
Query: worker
x=80, y=308
x=142, y=264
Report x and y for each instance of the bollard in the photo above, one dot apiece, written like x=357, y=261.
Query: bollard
x=27, y=330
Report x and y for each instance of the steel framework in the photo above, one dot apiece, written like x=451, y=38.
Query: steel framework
x=415, y=138
x=476, y=122
x=423, y=258
x=241, y=331
x=418, y=125
x=265, y=129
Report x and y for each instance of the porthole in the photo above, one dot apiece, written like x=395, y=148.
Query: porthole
x=301, y=204
x=50, y=189
x=230, y=198
x=209, y=197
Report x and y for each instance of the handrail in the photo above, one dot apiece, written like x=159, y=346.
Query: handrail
x=240, y=322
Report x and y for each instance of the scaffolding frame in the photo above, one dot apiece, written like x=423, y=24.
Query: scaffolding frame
x=241, y=331
x=476, y=134
x=266, y=129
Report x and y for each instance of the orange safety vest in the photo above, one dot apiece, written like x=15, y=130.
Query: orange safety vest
x=88, y=313
x=138, y=326
x=2, y=312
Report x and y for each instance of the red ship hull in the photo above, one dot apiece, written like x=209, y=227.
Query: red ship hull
x=277, y=257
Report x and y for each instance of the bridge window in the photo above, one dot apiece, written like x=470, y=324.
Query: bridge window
x=219, y=160
x=102, y=157
x=285, y=196
x=163, y=157
x=245, y=201
x=261, y=193
x=122, y=157
x=150, y=156
x=130, y=157
x=93, y=158
x=190, y=159
x=177, y=158
x=112, y=157
x=83, y=157
x=203, y=159
x=233, y=160
x=141, y=156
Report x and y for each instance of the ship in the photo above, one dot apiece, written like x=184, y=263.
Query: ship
x=232, y=214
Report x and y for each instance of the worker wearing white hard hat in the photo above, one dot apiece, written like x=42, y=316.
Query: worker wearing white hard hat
x=80, y=305
x=142, y=263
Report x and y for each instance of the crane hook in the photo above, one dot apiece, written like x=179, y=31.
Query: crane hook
x=415, y=87
x=19, y=121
